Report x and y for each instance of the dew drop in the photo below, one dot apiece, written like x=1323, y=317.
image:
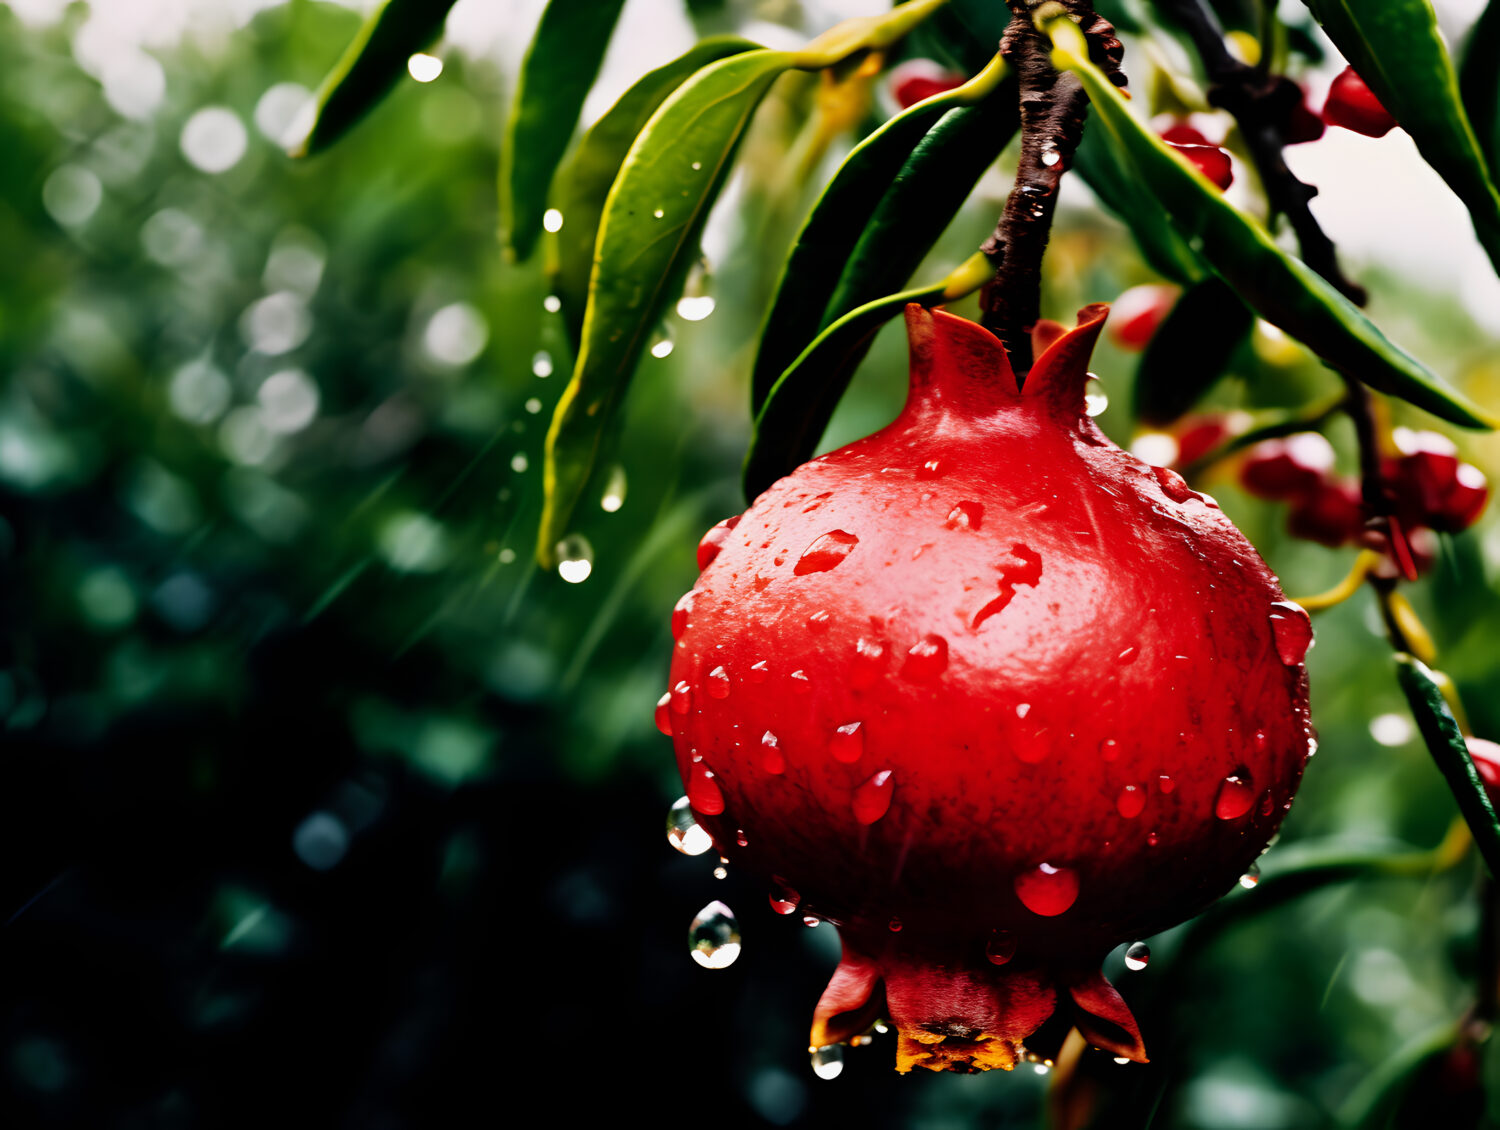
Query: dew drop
x=714, y=937
x=703, y=791
x=718, y=683
x=848, y=743
x=1173, y=485
x=869, y=662
x=1050, y=157
x=1137, y=956
x=772, y=760
x=713, y=541
x=758, y=672
x=575, y=559
x=681, y=612
x=819, y=620
x=827, y=1062
x=872, y=800
x=552, y=304
x=1095, y=399
x=1001, y=947
x=927, y=658
x=664, y=714
x=683, y=830
x=1165, y=783
x=1236, y=795
x=1109, y=749
x=965, y=515
x=784, y=899
x=1292, y=628
x=682, y=697
x=826, y=552
x=659, y=213
x=1251, y=877
x=1131, y=802
x=1047, y=890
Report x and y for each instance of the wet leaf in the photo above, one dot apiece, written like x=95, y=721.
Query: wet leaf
x=1479, y=83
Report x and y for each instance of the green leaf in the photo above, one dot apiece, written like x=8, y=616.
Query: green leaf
x=801, y=403
x=1397, y=49
x=1190, y=350
x=649, y=234
x=1479, y=83
x=584, y=183
x=371, y=64
x=1445, y=741
x=833, y=228
x=560, y=67
x=1280, y=288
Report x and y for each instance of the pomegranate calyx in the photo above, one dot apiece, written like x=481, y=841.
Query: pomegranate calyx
x=1103, y=1018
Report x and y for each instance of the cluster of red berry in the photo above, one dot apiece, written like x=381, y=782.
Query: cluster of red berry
x=1430, y=488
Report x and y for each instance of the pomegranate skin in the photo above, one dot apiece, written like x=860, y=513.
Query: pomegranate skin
x=993, y=696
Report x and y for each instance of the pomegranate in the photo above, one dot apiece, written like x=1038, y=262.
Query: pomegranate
x=991, y=695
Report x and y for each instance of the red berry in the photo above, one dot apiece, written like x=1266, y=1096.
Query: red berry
x=1053, y=701
x=1431, y=486
x=1199, y=435
x=1211, y=161
x=1180, y=133
x=1351, y=104
x=918, y=79
x=1486, y=758
x=1331, y=513
x=1138, y=313
x=1285, y=468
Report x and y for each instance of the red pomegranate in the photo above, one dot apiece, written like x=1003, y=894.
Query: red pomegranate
x=991, y=695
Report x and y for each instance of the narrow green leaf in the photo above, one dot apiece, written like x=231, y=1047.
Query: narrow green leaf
x=584, y=182
x=1445, y=741
x=1280, y=288
x=1190, y=350
x=1479, y=83
x=649, y=234
x=1397, y=49
x=560, y=67
x=371, y=64
x=833, y=227
x=800, y=404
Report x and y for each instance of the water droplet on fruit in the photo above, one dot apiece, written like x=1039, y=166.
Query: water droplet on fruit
x=811, y=920
x=869, y=662
x=740, y=838
x=1251, y=877
x=927, y=658
x=1152, y=839
x=771, y=758
x=965, y=515
x=1173, y=485
x=784, y=900
x=847, y=744
x=575, y=559
x=703, y=791
x=1047, y=890
x=718, y=683
x=682, y=697
x=1031, y=744
x=1131, y=801
x=930, y=469
x=1165, y=783
x=1267, y=803
x=681, y=612
x=714, y=937
x=722, y=870
x=664, y=714
x=1109, y=749
x=1236, y=795
x=819, y=620
x=826, y=551
x=713, y=541
x=1137, y=956
x=801, y=682
x=758, y=672
x=683, y=830
x=1095, y=399
x=872, y=800
x=1312, y=746
x=827, y=1063
x=1292, y=628
x=1001, y=947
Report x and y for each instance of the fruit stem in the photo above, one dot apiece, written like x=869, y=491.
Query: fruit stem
x=1262, y=104
x=1346, y=588
x=1053, y=108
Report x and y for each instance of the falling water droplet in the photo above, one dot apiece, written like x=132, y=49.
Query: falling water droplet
x=714, y=540
x=847, y=744
x=664, y=714
x=827, y=1062
x=1001, y=947
x=703, y=791
x=872, y=800
x=869, y=662
x=1292, y=628
x=1250, y=877
x=683, y=830
x=1236, y=795
x=575, y=559
x=714, y=937
x=965, y=515
x=1137, y=956
x=1047, y=890
x=826, y=552
x=927, y=659
x=784, y=899
x=771, y=758
x=718, y=683
x=682, y=697
x=1131, y=801
x=1095, y=399
x=681, y=613
x=614, y=491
